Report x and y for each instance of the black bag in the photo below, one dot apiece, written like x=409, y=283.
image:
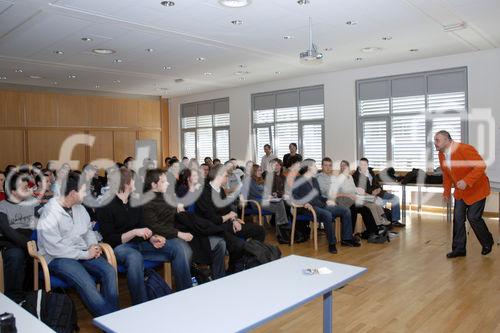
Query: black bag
x=434, y=179
x=56, y=310
x=388, y=214
x=414, y=176
x=388, y=175
x=284, y=233
x=255, y=253
x=155, y=285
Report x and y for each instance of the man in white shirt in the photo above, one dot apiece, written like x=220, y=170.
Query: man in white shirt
x=267, y=158
x=70, y=246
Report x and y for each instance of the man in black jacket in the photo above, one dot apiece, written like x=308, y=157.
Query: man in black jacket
x=365, y=180
x=214, y=206
x=306, y=191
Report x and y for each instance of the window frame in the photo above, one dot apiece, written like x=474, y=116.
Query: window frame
x=427, y=113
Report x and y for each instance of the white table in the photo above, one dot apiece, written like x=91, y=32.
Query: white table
x=239, y=302
x=25, y=321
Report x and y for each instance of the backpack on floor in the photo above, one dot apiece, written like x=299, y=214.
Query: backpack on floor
x=55, y=310
x=284, y=233
x=155, y=285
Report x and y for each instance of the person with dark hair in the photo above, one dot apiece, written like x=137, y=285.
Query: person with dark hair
x=464, y=169
x=365, y=180
x=159, y=217
x=17, y=222
x=185, y=162
x=37, y=165
x=208, y=161
x=214, y=206
x=42, y=189
x=70, y=246
x=92, y=179
x=2, y=182
x=292, y=157
x=205, y=169
x=188, y=184
x=193, y=164
x=129, y=162
x=167, y=160
x=306, y=188
x=9, y=168
x=216, y=162
x=121, y=226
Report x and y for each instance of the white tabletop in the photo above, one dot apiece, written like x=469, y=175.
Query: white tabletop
x=25, y=321
x=235, y=303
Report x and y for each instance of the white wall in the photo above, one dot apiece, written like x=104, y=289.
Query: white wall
x=340, y=101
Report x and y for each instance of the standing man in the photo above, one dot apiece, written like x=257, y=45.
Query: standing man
x=267, y=158
x=464, y=168
x=292, y=157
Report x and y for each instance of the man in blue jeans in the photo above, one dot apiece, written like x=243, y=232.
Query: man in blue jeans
x=66, y=240
x=306, y=191
x=121, y=226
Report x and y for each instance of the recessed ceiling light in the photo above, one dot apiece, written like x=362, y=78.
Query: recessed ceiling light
x=58, y=52
x=243, y=78
x=237, y=22
x=235, y=3
x=118, y=60
x=116, y=81
x=358, y=59
x=103, y=51
x=370, y=49
x=351, y=22
x=455, y=27
x=288, y=37
x=277, y=73
x=3, y=77
x=413, y=50
x=303, y=2
x=242, y=66
x=207, y=74
x=327, y=49
x=386, y=38
x=97, y=86
x=150, y=50
x=167, y=68
x=72, y=76
x=86, y=39
x=241, y=73
x=35, y=77
x=18, y=70
x=167, y=3
x=200, y=59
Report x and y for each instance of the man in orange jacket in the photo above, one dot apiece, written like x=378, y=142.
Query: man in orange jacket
x=464, y=168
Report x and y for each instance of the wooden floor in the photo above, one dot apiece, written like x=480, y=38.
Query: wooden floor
x=410, y=286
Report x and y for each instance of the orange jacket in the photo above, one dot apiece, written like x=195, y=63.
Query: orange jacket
x=466, y=165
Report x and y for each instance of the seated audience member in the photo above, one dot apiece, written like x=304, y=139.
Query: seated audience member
x=233, y=184
x=205, y=169
x=216, y=162
x=306, y=187
x=94, y=182
x=256, y=192
x=17, y=222
x=214, y=206
x=121, y=226
x=129, y=163
x=42, y=189
x=2, y=181
x=10, y=168
x=365, y=180
x=292, y=157
x=68, y=243
x=185, y=162
x=267, y=158
x=159, y=217
x=193, y=164
x=345, y=184
x=167, y=160
x=188, y=186
x=208, y=161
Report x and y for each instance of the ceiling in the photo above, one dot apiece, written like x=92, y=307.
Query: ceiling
x=255, y=51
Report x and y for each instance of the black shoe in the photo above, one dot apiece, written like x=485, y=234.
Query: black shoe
x=332, y=248
x=454, y=254
x=377, y=239
x=350, y=243
x=398, y=224
x=486, y=249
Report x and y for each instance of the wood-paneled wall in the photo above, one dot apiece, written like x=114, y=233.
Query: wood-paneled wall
x=33, y=125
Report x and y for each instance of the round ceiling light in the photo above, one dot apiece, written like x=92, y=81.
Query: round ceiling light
x=18, y=70
x=35, y=77
x=413, y=50
x=167, y=3
x=150, y=50
x=167, y=68
x=3, y=77
x=351, y=22
x=370, y=49
x=235, y=3
x=303, y=2
x=288, y=37
x=358, y=59
x=387, y=38
x=86, y=39
x=237, y=22
x=118, y=61
x=72, y=76
x=103, y=51
x=200, y=59
x=58, y=52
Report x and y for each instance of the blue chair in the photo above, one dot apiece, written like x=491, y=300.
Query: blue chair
x=311, y=217
x=253, y=208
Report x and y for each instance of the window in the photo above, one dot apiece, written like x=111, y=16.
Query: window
x=205, y=129
x=282, y=117
x=398, y=117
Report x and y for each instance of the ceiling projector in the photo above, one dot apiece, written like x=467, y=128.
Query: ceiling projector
x=311, y=56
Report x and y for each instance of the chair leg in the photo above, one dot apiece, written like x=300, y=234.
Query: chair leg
x=294, y=221
x=1, y=274
x=167, y=273
x=315, y=235
x=338, y=233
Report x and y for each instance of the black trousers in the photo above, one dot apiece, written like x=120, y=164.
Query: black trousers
x=474, y=214
x=368, y=220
